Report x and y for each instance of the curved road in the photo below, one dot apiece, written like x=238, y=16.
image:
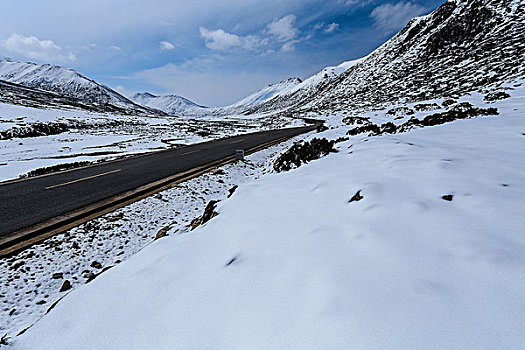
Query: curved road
x=29, y=202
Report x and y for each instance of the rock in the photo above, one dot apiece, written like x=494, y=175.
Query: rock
x=65, y=286
x=96, y=265
x=41, y=302
x=448, y=197
x=232, y=191
x=163, y=232
x=209, y=213
x=90, y=276
x=58, y=276
x=357, y=197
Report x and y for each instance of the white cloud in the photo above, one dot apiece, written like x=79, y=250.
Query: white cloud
x=34, y=48
x=283, y=28
x=219, y=39
x=166, y=45
x=331, y=28
x=222, y=40
x=392, y=17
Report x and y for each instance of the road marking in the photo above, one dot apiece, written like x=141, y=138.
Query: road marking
x=231, y=143
x=185, y=154
x=83, y=179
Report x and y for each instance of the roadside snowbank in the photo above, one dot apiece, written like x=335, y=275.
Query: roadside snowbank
x=291, y=263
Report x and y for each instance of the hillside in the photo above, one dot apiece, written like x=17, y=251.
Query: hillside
x=81, y=91
x=461, y=47
x=171, y=104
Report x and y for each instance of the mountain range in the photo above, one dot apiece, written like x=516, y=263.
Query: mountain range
x=461, y=47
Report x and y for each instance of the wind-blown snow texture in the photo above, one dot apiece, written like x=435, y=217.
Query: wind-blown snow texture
x=291, y=263
x=66, y=83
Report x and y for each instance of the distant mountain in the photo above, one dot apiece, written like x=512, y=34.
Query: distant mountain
x=256, y=99
x=463, y=46
x=170, y=104
x=68, y=84
x=180, y=106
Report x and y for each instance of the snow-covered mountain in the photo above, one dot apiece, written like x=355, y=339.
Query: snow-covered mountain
x=177, y=105
x=68, y=83
x=265, y=94
x=171, y=104
x=462, y=46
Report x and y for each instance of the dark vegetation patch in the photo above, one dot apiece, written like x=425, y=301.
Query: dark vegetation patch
x=496, y=96
x=356, y=120
x=54, y=168
x=403, y=110
x=303, y=152
x=34, y=130
x=463, y=110
x=426, y=107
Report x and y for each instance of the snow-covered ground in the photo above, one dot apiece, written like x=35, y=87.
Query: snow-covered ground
x=95, y=137
x=291, y=262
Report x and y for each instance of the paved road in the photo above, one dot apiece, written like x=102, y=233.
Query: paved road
x=32, y=201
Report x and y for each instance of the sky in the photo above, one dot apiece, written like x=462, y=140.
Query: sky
x=211, y=52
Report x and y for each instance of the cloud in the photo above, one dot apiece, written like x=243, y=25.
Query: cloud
x=219, y=39
x=392, y=17
x=34, y=48
x=331, y=28
x=166, y=45
x=283, y=28
x=327, y=28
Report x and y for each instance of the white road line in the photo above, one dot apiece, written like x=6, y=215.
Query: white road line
x=83, y=179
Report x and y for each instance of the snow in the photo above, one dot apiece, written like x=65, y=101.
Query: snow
x=171, y=104
x=290, y=263
x=64, y=81
x=98, y=138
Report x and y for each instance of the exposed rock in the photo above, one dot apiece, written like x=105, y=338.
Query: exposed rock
x=96, y=265
x=357, y=197
x=65, y=286
x=209, y=213
x=58, y=275
x=232, y=191
x=448, y=197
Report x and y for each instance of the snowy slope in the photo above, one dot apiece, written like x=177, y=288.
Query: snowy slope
x=291, y=263
x=267, y=93
x=462, y=46
x=172, y=104
x=65, y=82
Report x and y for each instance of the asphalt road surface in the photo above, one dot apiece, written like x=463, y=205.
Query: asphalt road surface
x=32, y=201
